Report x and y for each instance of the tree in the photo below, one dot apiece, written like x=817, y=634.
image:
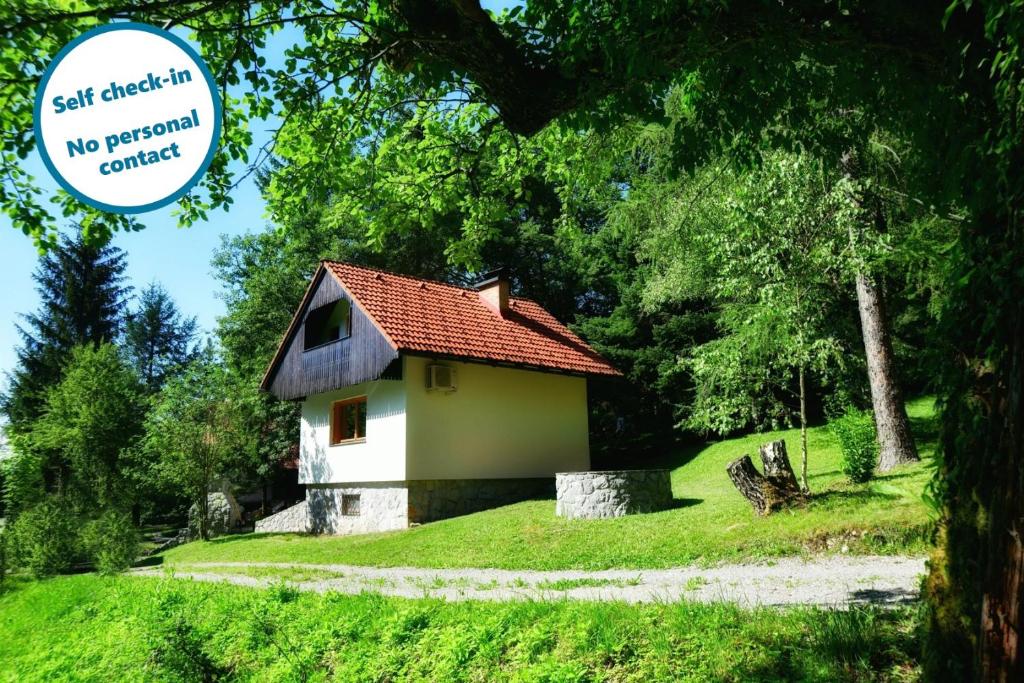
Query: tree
x=555, y=244
x=82, y=292
x=89, y=420
x=23, y=484
x=760, y=246
x=191, y=432
x=157, y=339
x=945, y=75
x=892, y=426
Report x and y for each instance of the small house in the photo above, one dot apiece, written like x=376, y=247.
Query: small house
x=422, y=400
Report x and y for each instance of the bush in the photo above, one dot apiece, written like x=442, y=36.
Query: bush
x=45, y=538
x=177, y=647
x=3, y=554
x=23, y=479
x=111, y=541
x=856, y=433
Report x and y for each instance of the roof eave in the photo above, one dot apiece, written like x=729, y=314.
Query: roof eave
x=292, y=326
x=614, y=374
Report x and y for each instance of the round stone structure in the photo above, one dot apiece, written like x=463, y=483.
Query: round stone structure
x=612, y=493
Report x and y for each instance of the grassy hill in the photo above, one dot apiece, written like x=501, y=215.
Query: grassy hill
x=92, y=628
x=711, y=522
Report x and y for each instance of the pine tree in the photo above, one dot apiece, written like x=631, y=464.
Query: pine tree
x=157, y=339
x=82, y=292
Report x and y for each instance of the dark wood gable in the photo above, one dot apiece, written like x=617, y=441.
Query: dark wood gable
x=362, y=356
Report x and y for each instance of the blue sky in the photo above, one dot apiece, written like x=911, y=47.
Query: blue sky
x=178, y=258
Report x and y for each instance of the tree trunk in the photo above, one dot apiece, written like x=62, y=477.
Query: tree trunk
x=777, y=469
x=204, y=516
x=774, y=489
x=892, y=427
x=750, y=483
x=1001, y=642
x=895, y=442
x=803, y=433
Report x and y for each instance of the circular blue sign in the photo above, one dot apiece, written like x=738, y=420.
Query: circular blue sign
x=127, y=118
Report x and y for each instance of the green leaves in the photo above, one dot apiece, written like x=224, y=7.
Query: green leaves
x=90, y=419
x=765, y=248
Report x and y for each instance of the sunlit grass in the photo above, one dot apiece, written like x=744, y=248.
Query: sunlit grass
x=711, y=522
x=90, y=628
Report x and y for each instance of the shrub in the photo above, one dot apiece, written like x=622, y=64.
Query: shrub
x=3, y=554
x=177, y=646
x=855, y=638
x=856, y=433
x=111, y=541
x=22, y=477
x=45, y=538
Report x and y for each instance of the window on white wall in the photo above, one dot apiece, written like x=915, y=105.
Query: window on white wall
x=348, y=421
x=350, y=504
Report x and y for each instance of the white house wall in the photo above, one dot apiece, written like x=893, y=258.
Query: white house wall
x=500, y=423
x=381, y=457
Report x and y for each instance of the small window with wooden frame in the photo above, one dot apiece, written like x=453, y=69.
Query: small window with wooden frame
x=348, y=421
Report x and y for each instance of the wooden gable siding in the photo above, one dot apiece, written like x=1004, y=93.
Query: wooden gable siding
x=359, y=358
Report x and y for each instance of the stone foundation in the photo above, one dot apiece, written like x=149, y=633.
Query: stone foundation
x=382, y=507
x=434, y=499
x=597, y=495
x=388, y=506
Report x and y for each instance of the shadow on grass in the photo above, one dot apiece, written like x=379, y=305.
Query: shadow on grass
x=856, y=644
x=925, y=431
x=232, y=538
x=151, y=561
x=895, y=476
x=858, y=496
x=679, y=503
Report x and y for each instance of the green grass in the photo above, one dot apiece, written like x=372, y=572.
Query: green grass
x=91, y=628
x=291, y=574
x=711, y=521
x=569, y=584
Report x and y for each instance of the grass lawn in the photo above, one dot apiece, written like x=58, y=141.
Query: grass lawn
x=91, y=628
x=711, y=522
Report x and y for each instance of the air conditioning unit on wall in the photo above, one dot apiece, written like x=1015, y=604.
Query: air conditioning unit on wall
x=440, y=378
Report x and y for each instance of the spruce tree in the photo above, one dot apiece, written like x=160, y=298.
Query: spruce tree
x=157, y=339
x=82, y=293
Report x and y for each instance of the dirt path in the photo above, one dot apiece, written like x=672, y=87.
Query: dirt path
x=835, y=581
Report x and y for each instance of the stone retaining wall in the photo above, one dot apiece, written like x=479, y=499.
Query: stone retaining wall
x=291, y=519
x=597, y=495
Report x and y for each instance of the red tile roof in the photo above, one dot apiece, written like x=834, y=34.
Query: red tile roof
x=435, y=318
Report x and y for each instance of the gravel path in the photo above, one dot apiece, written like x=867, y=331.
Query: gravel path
x=834, y=581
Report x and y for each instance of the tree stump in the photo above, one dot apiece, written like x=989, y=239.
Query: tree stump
x=778, y=470
x=750, y=483
x=774, y=489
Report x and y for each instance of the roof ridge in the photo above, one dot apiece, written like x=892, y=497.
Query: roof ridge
x=394, y=274
x=423, y=279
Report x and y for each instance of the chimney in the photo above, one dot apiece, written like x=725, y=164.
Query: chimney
x=493, y=290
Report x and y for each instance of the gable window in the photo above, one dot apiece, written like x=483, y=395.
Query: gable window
x=348, y=421
x=327, y=324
